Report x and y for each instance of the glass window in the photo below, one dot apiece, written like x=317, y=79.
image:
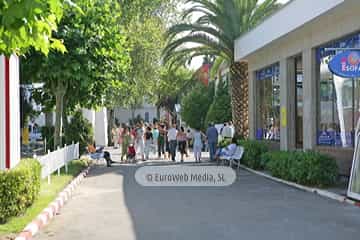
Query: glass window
x=268, y=103
x=339, y=100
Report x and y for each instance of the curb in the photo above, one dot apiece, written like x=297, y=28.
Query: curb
x=53, y=208
x=317, y=191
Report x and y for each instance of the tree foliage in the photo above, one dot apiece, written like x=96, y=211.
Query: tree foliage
x=220, y=109
x=97, y=57
x=30, y=23
x=219, y=23
x=195, y=105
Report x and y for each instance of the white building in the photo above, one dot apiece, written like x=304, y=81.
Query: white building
x=147, y=112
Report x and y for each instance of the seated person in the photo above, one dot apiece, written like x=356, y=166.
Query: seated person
x=226, y=151
x=97, y=153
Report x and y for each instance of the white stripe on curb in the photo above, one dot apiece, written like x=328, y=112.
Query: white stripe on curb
x=317, y=191
x=54, y=207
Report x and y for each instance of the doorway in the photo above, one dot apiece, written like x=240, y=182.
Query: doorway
x=299, y=76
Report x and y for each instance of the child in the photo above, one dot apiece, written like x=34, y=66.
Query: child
x=131, y=153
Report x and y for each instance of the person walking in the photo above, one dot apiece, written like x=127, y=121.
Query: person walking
x=148, y=142
x=189, y=137
x=125, y=143
x=155, y=133
x=181, y=139
x=232, y=129
x=172, y=134
x=226, y=132
x=197, y=144
x=139, y=141
x=114, y=137
x=212, y=139
x=161, y=141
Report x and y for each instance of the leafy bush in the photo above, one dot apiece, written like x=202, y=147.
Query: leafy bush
x=252, y=153
x=79, y=130
x=308, y=168
x=224, y=143
x=19, y=188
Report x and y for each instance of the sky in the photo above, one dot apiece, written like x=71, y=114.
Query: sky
x=197, y=62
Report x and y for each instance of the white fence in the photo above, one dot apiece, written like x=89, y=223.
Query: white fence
x=54, y=161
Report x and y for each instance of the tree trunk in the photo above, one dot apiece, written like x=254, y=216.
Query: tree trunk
x=158, y=113
x=49, y=119
x=240, y=97
x=59, y=96
x=64, y=122
x=110, y=125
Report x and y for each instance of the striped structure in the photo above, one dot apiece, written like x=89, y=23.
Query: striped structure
x=9, y=112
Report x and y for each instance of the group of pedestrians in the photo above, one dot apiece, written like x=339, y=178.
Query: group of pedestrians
x=161, y=138
x=166, y=140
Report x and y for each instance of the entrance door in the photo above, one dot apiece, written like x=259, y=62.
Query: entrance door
x=299, y=101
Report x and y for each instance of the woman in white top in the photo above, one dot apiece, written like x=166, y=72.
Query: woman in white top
x=197, y=144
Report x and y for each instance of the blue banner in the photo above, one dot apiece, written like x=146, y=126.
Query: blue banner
x=268, y=72
x=346, y=64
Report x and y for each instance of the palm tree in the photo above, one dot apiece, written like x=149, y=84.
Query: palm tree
x=214, y=33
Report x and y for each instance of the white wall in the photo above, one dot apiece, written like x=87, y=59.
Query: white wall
x=101, y=127
x=14, y=112
x=90, y=116
x=123, y=114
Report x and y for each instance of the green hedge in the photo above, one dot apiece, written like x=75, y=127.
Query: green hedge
x=308, y=168
x=19, y=188
x=252, y=153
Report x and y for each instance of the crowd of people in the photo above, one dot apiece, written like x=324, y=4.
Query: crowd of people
x=165, y=140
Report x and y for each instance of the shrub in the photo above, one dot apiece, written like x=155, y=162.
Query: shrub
x=224, y=143
x=252, y=153
x=19, y=187
x=307, y=168
x=79, y=130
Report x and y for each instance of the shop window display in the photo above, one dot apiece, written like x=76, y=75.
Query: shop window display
x=268, y=103
x=339, y=99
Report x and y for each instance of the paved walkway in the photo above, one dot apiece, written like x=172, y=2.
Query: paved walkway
x=111, y=205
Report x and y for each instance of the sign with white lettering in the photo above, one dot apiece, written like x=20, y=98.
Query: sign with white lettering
x=346, y=64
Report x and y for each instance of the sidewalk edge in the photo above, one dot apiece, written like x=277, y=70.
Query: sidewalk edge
x=320, y=192
x=52, y=209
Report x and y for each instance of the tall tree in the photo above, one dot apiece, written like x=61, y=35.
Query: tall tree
x=97, y=56
x=213, y=33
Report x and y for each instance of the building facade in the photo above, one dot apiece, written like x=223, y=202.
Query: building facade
x=294, y=99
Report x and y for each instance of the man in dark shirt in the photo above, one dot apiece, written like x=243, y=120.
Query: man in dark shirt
x=212, y=137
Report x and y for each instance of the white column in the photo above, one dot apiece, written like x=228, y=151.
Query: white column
x=287, y=104
x=9, y=130
x=15, y=145
x=2, y=113
x=101, y=125
x=252, y=105
x=311, y=70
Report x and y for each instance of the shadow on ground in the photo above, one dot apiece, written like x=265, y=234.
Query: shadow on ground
x=252, y=208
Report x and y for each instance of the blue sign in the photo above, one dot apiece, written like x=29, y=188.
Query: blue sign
x=346, y=64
